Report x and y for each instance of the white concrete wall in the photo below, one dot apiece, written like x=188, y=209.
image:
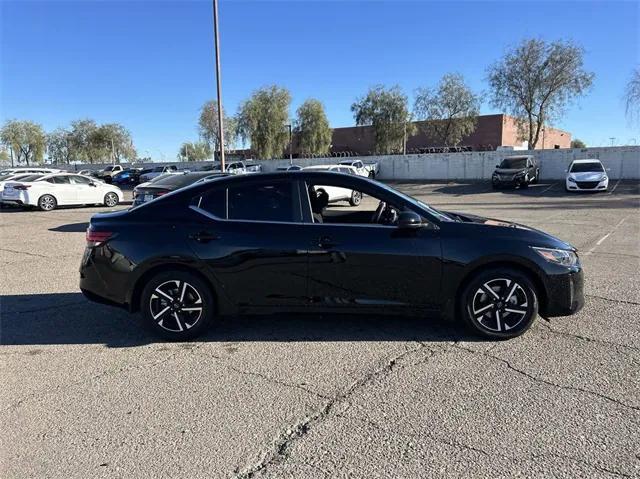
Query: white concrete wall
x=623, y=162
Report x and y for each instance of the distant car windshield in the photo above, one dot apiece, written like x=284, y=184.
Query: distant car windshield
x=109, y=168
x=591, y=166
x=513, y=163
x=6, y=175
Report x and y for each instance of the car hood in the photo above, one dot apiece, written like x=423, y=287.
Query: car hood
x=510, y=171
x=587, y=176
x=510, y=228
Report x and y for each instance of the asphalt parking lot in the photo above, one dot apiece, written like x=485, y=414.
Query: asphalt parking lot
x=88, y=393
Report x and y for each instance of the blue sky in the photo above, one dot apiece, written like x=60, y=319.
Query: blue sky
x=149, y=64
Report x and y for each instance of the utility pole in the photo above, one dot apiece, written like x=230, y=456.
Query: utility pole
x=113, y=153
x=613, y=139
x=218, y=84
x=290, y=144
x=11, y=151
x=404, y=139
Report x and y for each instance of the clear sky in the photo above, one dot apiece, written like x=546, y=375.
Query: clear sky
x=149, y=64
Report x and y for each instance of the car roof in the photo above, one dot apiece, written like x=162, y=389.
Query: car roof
x=325, y=167
x=587, y=160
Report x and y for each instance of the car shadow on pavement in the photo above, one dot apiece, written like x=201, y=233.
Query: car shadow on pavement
x=71, y=228
x=68, y=318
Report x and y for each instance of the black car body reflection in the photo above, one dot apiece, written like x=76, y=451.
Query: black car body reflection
x=270, y=242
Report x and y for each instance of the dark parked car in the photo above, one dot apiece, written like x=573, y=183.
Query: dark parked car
x=270, y=243
x=128, y=176
x=516, y=171
x=155, y=189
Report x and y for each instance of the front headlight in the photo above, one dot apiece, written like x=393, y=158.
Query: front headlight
x=571, y=180
x=558, y=256
x=604, y=178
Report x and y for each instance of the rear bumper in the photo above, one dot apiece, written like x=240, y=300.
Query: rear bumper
x=565, y=294
x=95, y=285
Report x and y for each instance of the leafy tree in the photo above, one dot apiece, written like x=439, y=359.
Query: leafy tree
x=536, y=81
x=262, y=119
x=93, y=143
x=208, y=127
x=577, y=143
x=194, y=151
x=4, y=157
x=632, y=96
x=451, y=110
x=312, y=128
x=59, y=147
x=27, y=140
x=386, y=110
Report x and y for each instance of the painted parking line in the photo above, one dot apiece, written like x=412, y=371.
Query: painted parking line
x=602, y=240
x=615, y=186
x=548, y=188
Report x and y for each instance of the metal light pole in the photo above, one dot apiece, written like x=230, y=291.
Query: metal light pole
x=290, y=144
x=218, y=84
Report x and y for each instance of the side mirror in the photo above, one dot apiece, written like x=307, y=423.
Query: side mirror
x=497, y=166
x=410, y=220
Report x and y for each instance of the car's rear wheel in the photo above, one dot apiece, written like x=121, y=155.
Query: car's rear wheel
x=111, y=199
x=177, y=305
x=47, y=203
x=356, y=198
x=499, y=303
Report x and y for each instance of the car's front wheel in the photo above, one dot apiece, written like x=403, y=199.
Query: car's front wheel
x=111, y=199
x=500, y=303
x=47, y=203
x=177, y=305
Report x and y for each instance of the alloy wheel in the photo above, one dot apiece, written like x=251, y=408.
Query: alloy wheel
x=111, y=199
x=499, y=305
x=47, y=203
x=176, y=306
x=356, y=198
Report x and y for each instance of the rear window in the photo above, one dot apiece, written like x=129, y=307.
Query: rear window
x=213, y=202
x=178, y=180
x=28, y=177
x=261, y=202
x=592, y=166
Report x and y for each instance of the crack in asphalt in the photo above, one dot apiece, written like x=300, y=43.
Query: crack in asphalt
x=25, y=253
x=468, y=447
x=547, y=382
x=612, y=300
x=128, y=366
x=279, y=449
x=585, y=338
x=267, y=378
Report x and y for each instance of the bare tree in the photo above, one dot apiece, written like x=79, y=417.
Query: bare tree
x=632, y=97
x=536, y=81
x=451, y=110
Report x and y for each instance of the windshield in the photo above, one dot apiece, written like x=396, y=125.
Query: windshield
x=6, y=175
x=513, y=163
x=592, y=166
x=438, y=214
x=109, y=168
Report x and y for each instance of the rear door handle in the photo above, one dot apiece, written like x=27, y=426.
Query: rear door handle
x=326, y=242
x=204, y=237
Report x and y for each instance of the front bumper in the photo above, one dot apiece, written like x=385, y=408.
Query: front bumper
x=565, y=294
x=587, y=185
x=498, y=181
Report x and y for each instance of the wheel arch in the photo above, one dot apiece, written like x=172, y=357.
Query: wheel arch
x=529, y=272
x=141, y=281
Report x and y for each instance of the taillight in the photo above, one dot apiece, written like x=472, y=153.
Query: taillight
x=160, y=193
x=21, y=187
x=96, y=238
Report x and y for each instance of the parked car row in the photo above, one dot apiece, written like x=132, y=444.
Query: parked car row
x=522, y=171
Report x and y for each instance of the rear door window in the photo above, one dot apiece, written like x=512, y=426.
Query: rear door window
x=269, y=201
x=213, y=202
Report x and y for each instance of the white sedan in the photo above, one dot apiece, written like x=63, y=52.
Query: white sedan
x=61, y=189
x=336, y=193
x=586, y=175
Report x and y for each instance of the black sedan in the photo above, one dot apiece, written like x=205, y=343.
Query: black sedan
x=155, y=189
x=269, y=243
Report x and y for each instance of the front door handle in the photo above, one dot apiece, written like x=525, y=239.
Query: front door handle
x=204, y=237
x=326, y=242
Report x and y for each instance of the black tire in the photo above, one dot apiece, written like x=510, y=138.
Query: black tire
x=356, y=198
x=536, y=178
x=111, y=200
x=372, y=175
x=486, y=311
x=47, y=203
x=177, y=315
